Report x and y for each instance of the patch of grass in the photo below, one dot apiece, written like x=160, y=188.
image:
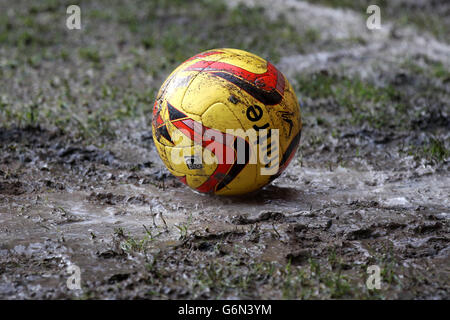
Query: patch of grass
x=316, y=281
x=237, y=275
x=428, y=20
x=90, y=54
x=45, y=6
x=152, y=38
x=182, y=29
x=413, y=67
x=223, y=278
x=132, y=244
x=390, y=270
x=184, y=228
x=27, y=31
x=426, y=16
x=359, y=102
x=440, y=71
x=429, y=68
x=357, y=5
x=434, y=151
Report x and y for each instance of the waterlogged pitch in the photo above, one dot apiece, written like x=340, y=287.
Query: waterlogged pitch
x=226, y=122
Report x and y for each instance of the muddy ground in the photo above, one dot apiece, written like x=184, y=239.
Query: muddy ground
x=81, y=183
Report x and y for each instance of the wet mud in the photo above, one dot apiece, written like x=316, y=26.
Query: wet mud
x=365, y=188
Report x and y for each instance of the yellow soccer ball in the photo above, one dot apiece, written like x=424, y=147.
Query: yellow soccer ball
x=226, y=122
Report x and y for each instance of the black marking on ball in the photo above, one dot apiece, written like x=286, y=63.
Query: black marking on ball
x=265, y=97
x=162, y=131
x=175, y=114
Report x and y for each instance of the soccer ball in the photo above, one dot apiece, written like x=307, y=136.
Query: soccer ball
x=226, y=122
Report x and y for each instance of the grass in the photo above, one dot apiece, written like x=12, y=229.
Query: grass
x=433, y=150
x=132, y=244
x=90, y=54
x=359, y=102
x=426, y=16
x=436, y=150
x=97, y=104
x=181, y=29
x=236, y=275
x=390, y=268
x=106, y=82
x=429, y=68
x=434, y=22
x=184, y=228
x=440, y=71
x=223, y=278
x=419, y=102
